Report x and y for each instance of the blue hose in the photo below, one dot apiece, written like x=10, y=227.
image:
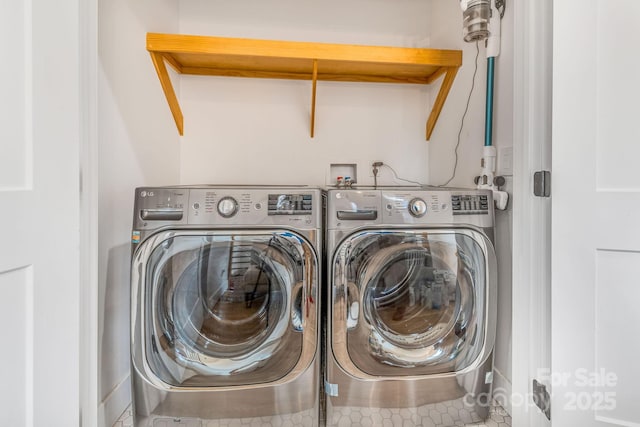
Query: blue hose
x=488, y=121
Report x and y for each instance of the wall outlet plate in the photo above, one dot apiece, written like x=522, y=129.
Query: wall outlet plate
x=505, y=161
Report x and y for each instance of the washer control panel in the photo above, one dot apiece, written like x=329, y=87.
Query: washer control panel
x=292, y=207
x=290, y=204
x=155, y=207
x=227, y=207
x=417, y=207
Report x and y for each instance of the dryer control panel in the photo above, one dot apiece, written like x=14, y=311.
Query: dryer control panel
x=353, y=208
x=466, y=204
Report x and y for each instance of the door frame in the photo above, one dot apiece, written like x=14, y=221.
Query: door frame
x=531, y=347
x=88, y=346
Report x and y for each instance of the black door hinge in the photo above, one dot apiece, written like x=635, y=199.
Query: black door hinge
x=542, y=184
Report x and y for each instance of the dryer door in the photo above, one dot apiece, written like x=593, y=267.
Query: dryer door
x=226, y=309
x=412, y=302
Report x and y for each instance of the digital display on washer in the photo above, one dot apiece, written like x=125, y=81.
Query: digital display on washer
x=469, y=205
x=290, y=204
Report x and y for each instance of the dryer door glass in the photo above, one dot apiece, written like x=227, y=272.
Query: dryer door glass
x=227, y=309
x=411, y=300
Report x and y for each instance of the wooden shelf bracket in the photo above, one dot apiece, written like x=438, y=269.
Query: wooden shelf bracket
x=314, y=81
x=447, y=82
x=169, y=92
x=235, y=57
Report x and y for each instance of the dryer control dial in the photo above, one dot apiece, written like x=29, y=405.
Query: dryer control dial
x=417, y=207
x=227, y=207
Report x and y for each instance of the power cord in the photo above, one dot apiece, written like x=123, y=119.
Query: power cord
x=375, y=168
x=500, y=5
x=473, y=85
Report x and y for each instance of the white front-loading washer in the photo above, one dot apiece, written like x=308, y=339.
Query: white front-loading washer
x=411, y=306
x=225, y=308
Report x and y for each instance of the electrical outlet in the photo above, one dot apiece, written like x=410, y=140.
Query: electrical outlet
x=505, y=161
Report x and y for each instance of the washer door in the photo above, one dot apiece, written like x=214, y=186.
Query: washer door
x=410, y=302
x=227, y=309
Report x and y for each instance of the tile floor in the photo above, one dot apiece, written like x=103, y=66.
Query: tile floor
x=498, y=418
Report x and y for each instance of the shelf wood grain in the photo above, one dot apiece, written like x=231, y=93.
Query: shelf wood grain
x=235, y=57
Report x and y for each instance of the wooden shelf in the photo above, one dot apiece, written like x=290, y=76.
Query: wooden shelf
x=220, y=56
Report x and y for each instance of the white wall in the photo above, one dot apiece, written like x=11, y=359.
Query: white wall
x=446, y=24
x=138, y=145
x=246, y=131
x=447, y=14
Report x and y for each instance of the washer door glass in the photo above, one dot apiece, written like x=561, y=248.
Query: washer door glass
x=227, y=309
x=410, y=300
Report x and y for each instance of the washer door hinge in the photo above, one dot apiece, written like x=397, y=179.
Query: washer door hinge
x=542, y=184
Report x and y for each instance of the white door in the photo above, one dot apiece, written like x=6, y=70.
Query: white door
x=596, y=214
x=39, y=213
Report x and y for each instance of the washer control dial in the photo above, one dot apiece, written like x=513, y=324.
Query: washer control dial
x=417, y=207
x=227, y=207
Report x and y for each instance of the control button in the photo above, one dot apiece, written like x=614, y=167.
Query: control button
x=417, y=207
x=258, y=206
x=196, y=206
x=227, y=207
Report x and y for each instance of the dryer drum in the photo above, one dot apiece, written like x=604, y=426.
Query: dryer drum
x=414, y=298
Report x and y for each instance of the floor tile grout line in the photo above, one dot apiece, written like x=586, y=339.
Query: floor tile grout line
x=498, y=417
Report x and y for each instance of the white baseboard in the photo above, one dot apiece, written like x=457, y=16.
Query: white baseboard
x=115, y=403
x=502, y=390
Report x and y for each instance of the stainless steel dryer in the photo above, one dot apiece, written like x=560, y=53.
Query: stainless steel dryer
x=411, y=306
x=225, y=307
